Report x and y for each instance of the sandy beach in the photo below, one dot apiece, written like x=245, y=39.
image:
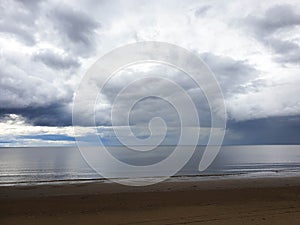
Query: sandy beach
x=230, y=201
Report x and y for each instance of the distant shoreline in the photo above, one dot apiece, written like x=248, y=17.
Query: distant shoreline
x=75, y=146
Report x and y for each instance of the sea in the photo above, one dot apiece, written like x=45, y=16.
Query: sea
x=44, y=165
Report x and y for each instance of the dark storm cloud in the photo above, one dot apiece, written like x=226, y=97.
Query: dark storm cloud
x=271, y=130
x=279, y=18
x=53, y=115
x=76, y=27
x=56, y=61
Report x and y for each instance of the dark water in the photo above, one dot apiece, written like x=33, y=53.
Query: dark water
x=47, y=164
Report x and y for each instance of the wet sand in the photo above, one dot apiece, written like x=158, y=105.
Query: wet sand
x=231, y=201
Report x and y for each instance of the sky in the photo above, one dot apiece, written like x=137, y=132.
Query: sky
x=46, y=47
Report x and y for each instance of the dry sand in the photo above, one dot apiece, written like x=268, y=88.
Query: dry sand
x=237, y=201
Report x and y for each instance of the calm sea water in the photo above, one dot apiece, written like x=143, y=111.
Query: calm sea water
x=53, y=164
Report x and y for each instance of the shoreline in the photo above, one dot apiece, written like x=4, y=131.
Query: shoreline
x=176, y=178
x=103, y=186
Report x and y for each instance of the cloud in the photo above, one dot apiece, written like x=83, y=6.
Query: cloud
x=49, y=137
x=32, y=5
x=17, y=21
x=23, y=84
x=201, y=11
x=53, y=115
x=273, y=29
x=277, y=17
x=147, y=84
x=267, y=98
x=21, y=33
x=55, y=60
x=231, y=73
x=76, y=29
x=17, y=131
x=47, y=46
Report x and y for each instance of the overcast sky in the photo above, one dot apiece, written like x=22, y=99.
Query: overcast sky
x=253, y=48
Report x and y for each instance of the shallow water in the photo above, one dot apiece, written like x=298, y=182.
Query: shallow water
x=46, y=164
